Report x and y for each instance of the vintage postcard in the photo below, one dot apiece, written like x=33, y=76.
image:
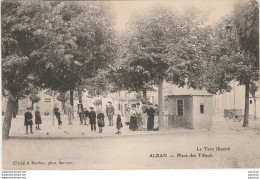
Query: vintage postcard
x=123, y=85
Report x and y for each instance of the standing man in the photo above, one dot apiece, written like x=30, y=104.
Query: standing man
x=80, y=113
x=38, y=119
x=111, y=112
x=139, y=113
x=28, y=120
x=57, y=114
x=92, y=119
x=150, y=114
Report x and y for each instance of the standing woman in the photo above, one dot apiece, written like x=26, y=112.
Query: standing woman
x=133, y=119
x=150, y=113
x=101, y=121
x=38, y=119
x=92, y=119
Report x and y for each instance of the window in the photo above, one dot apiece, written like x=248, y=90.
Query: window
x=251, y=101
x=180, y=107
x=202, y=109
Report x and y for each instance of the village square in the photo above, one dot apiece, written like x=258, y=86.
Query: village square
x=130, y=85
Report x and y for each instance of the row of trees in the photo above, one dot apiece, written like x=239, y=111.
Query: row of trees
x=178, y=47
x=72, y=46
x=53, y=45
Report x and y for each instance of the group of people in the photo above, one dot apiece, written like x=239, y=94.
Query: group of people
x=144, y=117
x=84, y=116
x=29, y=122
x=140, y=118
x=99, y=117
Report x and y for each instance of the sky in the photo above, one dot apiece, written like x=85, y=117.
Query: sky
x=125, y=9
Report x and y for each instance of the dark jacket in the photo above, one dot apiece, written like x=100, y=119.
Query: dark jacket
x=80, y=108
x=38, y=119
x=56, y=110
x=28, y=118
x=150, y=113
x=101, y=121
x=92, y=117
x=86, y=113
x=119, y=122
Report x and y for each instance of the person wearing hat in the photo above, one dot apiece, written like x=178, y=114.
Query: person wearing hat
x=150, y=114
x=111, y=112
x=92, y=119
x=28, y=120
x=80, y=113
x=139, y=113
x=38, y=119
x=133, y=119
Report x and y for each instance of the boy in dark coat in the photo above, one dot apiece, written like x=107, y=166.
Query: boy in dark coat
x=101, y=121
x=38, y=119
x=28, y=120
x=92, y=119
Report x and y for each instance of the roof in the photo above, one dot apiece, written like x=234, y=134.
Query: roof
x=173, y=90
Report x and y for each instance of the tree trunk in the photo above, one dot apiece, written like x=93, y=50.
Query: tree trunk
x=145, y=95
x=71, y=97
x=8, y=116
x=80, y=96
x=246, y=113
x=32, y=105
x=254, y=108
x=160, y=104
x=15, y=109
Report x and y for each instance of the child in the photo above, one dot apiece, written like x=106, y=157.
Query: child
x=38, y=119
x=28, y=120
x=101, y=121
x=119, y=124
x=92, y=119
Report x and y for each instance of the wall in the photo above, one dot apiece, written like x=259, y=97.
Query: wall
x=186, y=120
x=202, y=121
x=235, y=99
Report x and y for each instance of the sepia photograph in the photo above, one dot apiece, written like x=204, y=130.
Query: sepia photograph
x=130, y=85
